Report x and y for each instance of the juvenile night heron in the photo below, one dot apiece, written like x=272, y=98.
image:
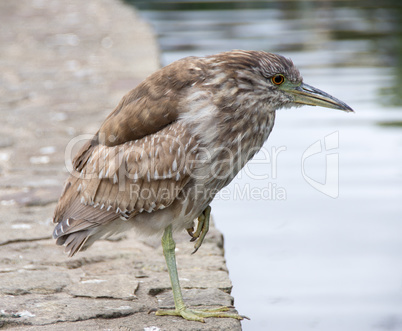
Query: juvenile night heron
x=170, y=145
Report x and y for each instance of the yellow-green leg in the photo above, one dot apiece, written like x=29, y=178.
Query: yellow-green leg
x=169, y=246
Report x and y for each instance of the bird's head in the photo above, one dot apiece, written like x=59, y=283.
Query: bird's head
x=275, y=79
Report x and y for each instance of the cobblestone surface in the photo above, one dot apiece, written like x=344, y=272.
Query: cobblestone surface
x=65, y=65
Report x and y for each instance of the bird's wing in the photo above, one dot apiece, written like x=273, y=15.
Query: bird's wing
x=147, y=109
x=138, y=161
x=153, y=104
x=142, y=175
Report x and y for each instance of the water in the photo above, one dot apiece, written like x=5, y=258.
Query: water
x=298, y=258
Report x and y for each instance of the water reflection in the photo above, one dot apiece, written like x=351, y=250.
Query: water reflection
x=328, y=33
x=311, y=261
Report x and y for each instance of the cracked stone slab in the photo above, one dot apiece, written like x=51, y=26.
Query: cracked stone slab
x=27, y=223
x=121, y=286
x=140, y=322
x=197, y=297
x=23, y=282
x=42, y=310
x=32, y=196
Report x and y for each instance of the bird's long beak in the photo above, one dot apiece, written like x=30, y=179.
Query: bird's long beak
x=309, y=95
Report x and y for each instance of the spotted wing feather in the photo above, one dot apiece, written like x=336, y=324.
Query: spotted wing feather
x=118, y=182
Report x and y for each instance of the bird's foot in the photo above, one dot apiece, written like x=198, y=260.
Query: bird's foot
x=202, y=229
x=199, y=314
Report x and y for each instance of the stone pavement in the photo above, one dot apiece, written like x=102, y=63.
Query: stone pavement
x=64, y=66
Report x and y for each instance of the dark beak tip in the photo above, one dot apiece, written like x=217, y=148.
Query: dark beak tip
x=348, y=109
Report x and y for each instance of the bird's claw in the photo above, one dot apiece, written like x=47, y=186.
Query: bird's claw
x=202, y=229
x=190, y=232
x=199, y=314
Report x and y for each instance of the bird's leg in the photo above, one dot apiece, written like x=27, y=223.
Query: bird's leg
x=169, y=246
x=202, y=229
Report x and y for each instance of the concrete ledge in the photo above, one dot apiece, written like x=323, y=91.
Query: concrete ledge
x=65, y=65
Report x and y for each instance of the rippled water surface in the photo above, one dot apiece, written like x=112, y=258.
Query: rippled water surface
x=300, y=259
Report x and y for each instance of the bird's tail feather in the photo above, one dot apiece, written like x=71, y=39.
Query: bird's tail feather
x=74, y=242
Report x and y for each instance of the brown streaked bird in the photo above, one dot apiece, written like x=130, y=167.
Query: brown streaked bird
x=170, y=145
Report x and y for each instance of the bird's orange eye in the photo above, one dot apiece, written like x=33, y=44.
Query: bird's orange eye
x=277, y=79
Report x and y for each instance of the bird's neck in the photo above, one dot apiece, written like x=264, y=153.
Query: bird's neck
x=231, y=133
